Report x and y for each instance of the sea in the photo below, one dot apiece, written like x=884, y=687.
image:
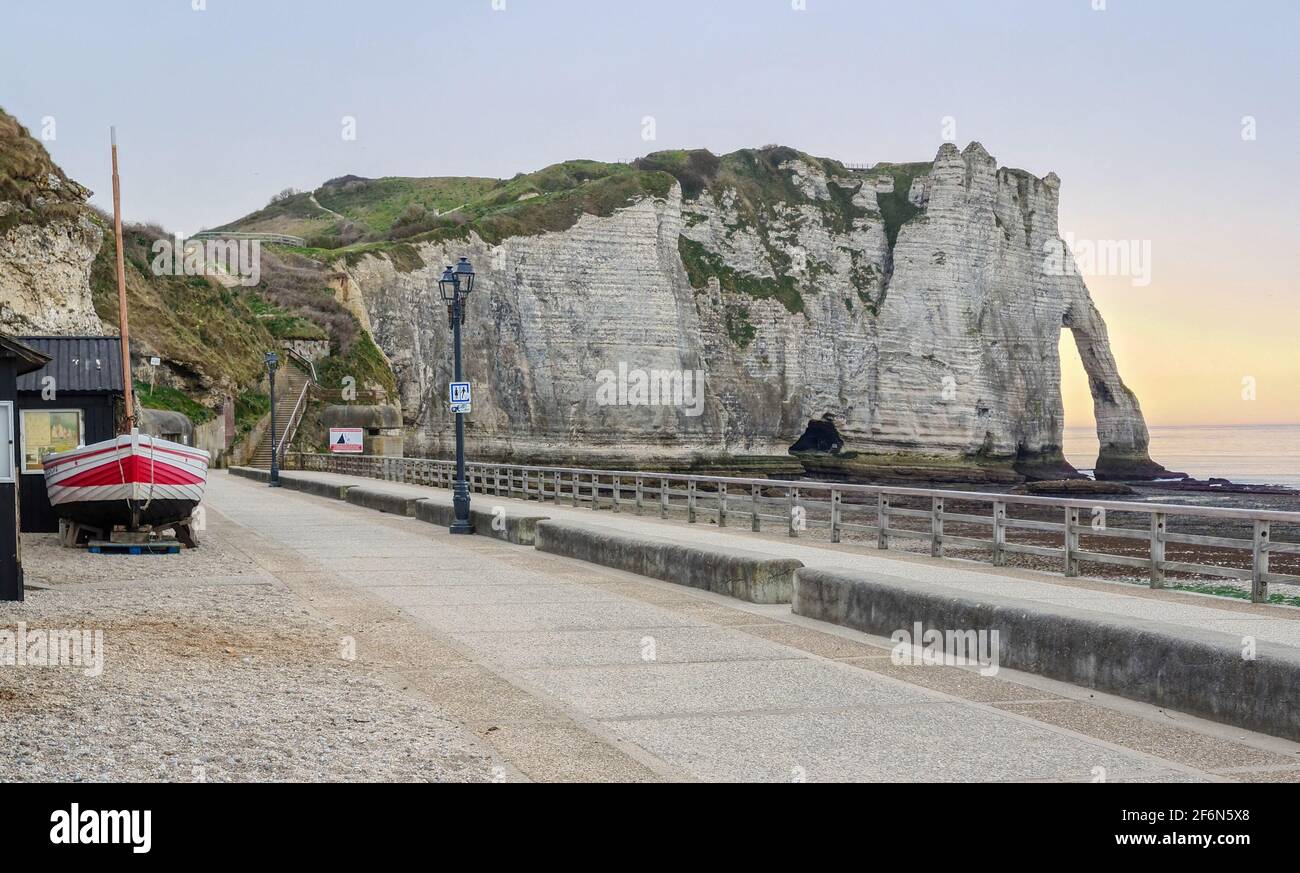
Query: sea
x=1265, y=454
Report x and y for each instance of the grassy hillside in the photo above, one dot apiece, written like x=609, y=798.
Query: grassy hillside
x=27, y=174
x=352, y=215
x=33, y=188
x=356, y=213
x=208, y=334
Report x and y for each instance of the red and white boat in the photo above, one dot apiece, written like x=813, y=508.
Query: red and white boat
x=133, y=480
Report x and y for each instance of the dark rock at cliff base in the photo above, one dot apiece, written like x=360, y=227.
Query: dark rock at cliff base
x=1220, y=486
x=1046, y=467
x=1072, y=488
x=1141, y=469
x=915, y=469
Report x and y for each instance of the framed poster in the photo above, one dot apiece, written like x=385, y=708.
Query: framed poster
x=46, y=431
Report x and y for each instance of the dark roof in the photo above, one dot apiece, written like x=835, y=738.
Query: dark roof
x=28, y=358
x=82, y=364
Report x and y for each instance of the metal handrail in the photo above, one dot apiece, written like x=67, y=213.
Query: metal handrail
x=280, y=238
x=291, y=426
x=609, y=486
x=303, y=360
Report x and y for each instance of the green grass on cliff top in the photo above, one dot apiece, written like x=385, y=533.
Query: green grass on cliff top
x=394, y=209
x=387, y=216
x=401, y=209
x=26, y=167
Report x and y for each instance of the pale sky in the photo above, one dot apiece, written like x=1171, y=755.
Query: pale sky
x=1139, y=107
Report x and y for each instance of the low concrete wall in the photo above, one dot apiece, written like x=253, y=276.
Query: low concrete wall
x=509, y=526
x=308, y=485
x=1199, y=672
x=746, y=575
x=384, y=501
x=250, y=473
x=296, y=482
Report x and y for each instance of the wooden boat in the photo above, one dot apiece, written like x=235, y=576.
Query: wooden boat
x=132, y=481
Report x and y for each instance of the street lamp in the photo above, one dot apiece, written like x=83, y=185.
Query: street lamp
x=455, y=286
x=271, y=362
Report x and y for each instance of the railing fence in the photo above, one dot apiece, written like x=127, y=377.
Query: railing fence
x=941, y=519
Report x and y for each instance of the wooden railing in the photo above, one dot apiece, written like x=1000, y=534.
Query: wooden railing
x=884, y=512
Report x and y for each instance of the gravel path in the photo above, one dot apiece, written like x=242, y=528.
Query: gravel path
x=212, y=671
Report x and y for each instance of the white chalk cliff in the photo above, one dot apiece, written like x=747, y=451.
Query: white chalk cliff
x=797, y=309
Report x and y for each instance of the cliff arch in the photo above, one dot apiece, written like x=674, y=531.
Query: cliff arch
x=1124, y=442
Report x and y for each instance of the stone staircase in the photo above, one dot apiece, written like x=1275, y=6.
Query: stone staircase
x=288, y=389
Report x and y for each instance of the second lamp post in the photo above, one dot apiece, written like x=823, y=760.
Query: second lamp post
x=271, y=361
x=455, y=286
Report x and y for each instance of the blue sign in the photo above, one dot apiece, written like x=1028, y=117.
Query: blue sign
x=459, y=395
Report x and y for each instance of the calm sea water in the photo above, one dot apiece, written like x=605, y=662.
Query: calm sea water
x=1254, y=454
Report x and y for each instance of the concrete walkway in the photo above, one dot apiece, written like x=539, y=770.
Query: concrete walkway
x=1205, y=612
x=573, y=671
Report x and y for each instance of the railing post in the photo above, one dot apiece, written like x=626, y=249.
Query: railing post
x=595, y=491
x=795, y=511
x=616, y=481
x=999, y=533
x=1158, y=550
x=690, y=500
x=664, y=496
x=936, y=527
x=1259, y=563
x=835, y=515
x=1071, y=541
x=577, y=487
x=640, y=495
x=558, y=486
x=882, y=520
x=722, y=504
x=497, y=483
x=754, y=521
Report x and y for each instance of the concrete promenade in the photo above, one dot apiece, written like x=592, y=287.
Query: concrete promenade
x=569, y=670
x=1201, y=612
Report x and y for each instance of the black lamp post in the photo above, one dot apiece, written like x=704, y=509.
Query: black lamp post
x=271, y=361
x=455, y=286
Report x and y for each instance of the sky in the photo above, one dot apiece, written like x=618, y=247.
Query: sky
x=1172, y=124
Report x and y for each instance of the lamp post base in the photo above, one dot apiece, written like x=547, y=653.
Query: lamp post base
x=460, y=523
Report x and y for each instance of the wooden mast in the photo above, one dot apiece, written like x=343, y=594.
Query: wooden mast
x=121, y=291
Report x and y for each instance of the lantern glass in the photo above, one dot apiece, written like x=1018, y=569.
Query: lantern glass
x=447, y=285
x=465, y=272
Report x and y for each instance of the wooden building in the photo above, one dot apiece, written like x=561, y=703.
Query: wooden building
x=74, y=400
x=16, y=360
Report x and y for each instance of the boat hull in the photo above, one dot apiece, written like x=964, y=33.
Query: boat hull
x=131, y=481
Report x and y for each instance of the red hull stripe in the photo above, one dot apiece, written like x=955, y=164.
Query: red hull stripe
x=133, y=469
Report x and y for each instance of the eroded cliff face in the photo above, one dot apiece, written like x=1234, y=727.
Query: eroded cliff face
x=45, y=277
x=48, y=241
x=911, y=307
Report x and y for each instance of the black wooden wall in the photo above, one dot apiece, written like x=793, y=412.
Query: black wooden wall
x=98, y=413
x=11, y=579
